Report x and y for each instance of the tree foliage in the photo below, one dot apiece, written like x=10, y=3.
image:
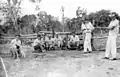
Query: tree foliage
x=101, y=19
x=12, y=11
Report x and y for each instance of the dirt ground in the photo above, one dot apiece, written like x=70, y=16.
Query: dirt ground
x=63, y=64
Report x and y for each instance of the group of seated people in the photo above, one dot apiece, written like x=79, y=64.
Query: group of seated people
x=44, y=42
x=47, y=43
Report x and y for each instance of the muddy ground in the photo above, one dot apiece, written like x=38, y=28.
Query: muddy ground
x=63, y=64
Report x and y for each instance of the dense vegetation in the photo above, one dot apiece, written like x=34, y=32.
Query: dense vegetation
x=28, y=24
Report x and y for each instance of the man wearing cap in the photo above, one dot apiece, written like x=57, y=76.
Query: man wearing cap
x=111, y=42
x=87, y=28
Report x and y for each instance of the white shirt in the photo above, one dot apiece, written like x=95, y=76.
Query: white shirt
x=76, y=38
x=37, y=41
x=114, y=23
x=58, y=39
x=88, y=27
x=15, y=42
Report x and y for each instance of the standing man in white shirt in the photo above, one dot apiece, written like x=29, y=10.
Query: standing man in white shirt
x=111, y=42
x=87, y=28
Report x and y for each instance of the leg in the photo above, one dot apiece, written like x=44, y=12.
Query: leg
x=89, y=42
x=92, y=45
x=85, y=43
x=13, y=51
x=113, y=47
x=108, y=47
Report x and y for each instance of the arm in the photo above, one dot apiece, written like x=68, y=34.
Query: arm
x=18, y=43
x=35, y=42
x=91, y=26
x=83, y=27
x=113, y=25
x=77, y=38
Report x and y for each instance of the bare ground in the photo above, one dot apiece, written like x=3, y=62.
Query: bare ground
x=63, y=64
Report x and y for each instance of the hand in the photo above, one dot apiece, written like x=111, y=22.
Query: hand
x=111, y=28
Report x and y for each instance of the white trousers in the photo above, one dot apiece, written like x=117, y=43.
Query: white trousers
x=111, y=47
x=87, y=42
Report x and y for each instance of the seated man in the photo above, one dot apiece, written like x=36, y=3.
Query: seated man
x=15, y=48
x=74, y=41
x=65, y=42
x=38, y=44
x=58, y=41
x=49, y=43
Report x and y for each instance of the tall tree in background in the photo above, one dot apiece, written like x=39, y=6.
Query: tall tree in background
x=14, y=11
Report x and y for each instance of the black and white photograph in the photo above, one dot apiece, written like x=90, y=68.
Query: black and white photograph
x=59, y=38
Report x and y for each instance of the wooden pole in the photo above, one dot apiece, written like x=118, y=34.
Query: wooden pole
x=4, y=66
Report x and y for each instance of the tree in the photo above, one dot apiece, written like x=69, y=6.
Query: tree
x=12, y=12
x=27, y=24
x=35, y=1
x=101, y=18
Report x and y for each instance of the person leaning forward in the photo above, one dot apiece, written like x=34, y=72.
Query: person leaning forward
x=38, y=44
x=15, y=48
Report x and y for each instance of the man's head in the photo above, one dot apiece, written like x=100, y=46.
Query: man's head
x=17, y=36
x=113, y=15
x=56, y=35
x=86, y=19
x=49, y=36
x=73, y=34
x=39, y=36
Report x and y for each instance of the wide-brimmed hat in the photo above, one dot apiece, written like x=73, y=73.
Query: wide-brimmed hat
x=113, y=14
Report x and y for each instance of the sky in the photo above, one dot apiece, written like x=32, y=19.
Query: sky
x=53, y=6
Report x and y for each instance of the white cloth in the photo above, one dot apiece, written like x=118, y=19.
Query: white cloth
x=74, y=39
x=50, y=40
x=87, y=29
x=87, y=42
x=15, y=42
x=37, y=41
x=111, y=47
x=115, y=24
x=111, y=42
x=58, y=41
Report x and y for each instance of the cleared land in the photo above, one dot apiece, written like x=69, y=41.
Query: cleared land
x=62, y=63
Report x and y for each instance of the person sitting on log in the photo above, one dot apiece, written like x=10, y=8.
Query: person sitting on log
x=50, y=43
x=58, y=41
x=38, y=44
x=74, y=41
x=15, y=48
x=65, y=42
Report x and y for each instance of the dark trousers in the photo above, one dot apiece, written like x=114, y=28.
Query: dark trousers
x=38, y=48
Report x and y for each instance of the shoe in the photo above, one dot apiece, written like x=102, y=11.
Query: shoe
x=105, y=58
x=85, y=52
x=90, y=52
x=114, y=59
